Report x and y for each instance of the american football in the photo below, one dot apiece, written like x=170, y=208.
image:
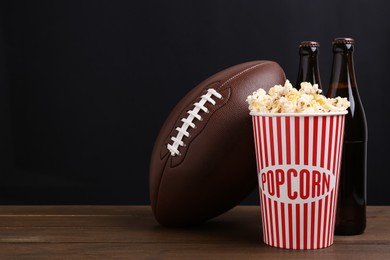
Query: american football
x=203, y=161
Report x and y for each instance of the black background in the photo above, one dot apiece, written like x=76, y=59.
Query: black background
x=86, y=85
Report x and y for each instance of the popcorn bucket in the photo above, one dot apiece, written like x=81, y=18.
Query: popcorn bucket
x=298, y=160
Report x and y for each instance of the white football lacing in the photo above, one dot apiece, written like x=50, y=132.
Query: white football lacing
x=187, y=122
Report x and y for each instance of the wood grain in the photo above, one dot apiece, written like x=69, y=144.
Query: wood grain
x=130, y=232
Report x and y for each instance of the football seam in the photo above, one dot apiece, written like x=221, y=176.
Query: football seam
x=187, y=122
x=225, y=99
x=243, y=72
x=219, y=89
x=181, y=115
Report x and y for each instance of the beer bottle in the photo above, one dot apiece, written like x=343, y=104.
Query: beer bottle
x=308, y=69
x=351, y=203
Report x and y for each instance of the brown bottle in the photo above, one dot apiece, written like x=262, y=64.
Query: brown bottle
x=308, y=70
x=351, y=203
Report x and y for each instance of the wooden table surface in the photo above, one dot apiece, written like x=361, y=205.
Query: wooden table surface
x=130, y=232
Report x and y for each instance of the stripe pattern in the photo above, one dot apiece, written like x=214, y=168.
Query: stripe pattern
x=296, y=142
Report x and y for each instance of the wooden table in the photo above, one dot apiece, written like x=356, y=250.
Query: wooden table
x=130, y=232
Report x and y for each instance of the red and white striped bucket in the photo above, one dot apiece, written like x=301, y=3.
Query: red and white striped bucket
x=298, y=161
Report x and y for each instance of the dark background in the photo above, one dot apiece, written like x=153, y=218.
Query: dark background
x=86, y=85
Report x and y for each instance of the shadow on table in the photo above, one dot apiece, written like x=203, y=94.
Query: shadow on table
x=244, y=228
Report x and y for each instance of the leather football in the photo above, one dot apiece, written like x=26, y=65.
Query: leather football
x=203, y=161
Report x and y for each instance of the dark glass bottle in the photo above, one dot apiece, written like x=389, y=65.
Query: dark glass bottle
x=351, y=204
x=308, y=69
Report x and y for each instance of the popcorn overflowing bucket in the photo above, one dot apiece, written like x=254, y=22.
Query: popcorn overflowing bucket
x=298, y=160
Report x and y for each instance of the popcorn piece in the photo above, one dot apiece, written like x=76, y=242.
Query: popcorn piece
x=287, y=99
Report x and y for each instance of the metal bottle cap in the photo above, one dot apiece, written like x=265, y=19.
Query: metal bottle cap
x=341, y=40
x=309, y=44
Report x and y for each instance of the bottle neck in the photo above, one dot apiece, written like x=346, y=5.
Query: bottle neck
x=308, y=69
x=343, y=72
x=343, y=84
